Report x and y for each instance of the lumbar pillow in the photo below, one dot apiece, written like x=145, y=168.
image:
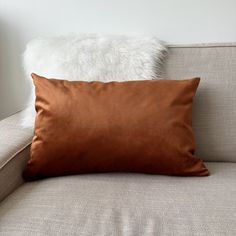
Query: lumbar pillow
x=92, y=58
x=132, y=126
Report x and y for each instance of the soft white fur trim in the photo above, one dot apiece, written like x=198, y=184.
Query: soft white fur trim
x=91, y=58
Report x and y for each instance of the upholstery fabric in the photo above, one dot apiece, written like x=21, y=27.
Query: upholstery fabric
x=138, y=204
x=11, y=172
x=214, y=113
x=13, y=137
x=92, y=57
x=14, y=153
x=124, y=204
x=132, y=126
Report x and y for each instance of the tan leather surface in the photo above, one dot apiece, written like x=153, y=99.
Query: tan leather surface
x=133, y=126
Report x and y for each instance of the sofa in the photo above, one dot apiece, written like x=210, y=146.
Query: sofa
x=136, y=204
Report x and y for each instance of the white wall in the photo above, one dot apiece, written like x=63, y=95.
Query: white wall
x=175, y=21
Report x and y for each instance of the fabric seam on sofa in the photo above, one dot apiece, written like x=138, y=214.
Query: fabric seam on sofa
x=14, y=155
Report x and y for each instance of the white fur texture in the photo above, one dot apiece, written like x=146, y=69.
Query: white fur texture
x=92, y=58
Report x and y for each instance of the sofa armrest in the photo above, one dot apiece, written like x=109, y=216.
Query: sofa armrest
x=14, y=152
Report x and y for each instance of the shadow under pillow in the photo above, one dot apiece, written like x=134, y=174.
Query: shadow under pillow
x=134, y=126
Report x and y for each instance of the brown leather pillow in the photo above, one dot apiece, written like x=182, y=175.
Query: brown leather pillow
x=133, y=126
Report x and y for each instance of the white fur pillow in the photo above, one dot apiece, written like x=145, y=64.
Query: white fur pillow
x=92, y=57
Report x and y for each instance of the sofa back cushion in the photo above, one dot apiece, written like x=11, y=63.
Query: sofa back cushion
x=214, y=110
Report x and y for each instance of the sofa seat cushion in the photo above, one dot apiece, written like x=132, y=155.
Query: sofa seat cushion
x=124, y=204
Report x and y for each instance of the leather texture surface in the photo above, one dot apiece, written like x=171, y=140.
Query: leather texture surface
x=133, y=126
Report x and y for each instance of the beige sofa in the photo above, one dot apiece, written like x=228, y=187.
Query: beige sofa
x=137, y=204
